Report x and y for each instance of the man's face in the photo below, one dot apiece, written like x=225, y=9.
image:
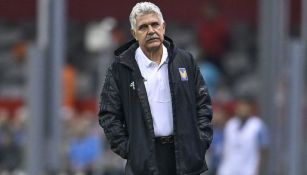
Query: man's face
x=149, y=31
x=243, y=109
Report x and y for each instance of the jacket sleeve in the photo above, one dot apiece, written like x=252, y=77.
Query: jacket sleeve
x=204, y=108
x=111, y=117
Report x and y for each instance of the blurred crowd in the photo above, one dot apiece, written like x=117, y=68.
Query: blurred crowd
x=227, y=59
x=83, y=148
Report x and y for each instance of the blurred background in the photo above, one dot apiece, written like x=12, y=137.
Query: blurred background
x=54, y=55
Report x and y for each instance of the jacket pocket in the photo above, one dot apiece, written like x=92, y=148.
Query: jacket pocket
x=193, y=155
x=137, y=160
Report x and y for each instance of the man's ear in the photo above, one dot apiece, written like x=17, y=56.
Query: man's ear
x=133, y=34
x=164, y=27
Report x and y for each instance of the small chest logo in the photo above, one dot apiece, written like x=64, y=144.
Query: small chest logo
x=132, y=85
x=183, y=74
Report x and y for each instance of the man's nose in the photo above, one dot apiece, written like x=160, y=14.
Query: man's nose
x=150, y=29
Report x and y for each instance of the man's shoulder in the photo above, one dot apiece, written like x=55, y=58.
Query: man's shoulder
x=119, y=65
x=183, y=55
x=182, y=52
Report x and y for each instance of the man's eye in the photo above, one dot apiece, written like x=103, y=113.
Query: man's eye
x=155, y=25
x=143, y=27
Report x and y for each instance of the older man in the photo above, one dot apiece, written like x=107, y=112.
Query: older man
x=155, y=108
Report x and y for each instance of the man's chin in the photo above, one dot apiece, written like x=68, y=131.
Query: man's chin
x=154, y=46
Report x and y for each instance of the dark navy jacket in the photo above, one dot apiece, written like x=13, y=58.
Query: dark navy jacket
x=127, y=121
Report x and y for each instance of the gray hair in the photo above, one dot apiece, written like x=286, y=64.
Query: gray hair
x=143, y=8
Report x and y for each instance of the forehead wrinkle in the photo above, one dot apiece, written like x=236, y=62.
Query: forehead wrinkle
x=147, y=21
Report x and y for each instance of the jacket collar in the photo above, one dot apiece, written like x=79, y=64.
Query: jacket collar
x=126, y=53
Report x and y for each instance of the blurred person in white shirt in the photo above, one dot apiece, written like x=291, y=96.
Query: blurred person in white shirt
x=245, y=142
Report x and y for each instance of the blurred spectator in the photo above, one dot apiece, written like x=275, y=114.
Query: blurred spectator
x=12, y=70
x=211, y=74
x=18, y=126
x=84, y=149
x=245, y=142
x=4, y=116
x=239, y=59
x=213, y=32
x=10, y=151
x=69, y=86
x=101, y=38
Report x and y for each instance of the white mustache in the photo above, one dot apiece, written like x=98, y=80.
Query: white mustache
x=149, y=37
